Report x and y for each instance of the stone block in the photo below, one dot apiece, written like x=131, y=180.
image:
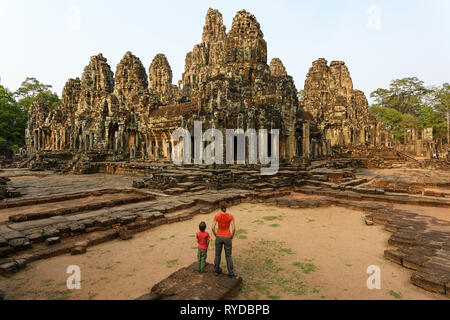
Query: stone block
x=78, y=250
x=52, y=241
x=8, y=268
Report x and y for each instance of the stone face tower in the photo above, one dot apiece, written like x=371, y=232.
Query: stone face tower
x=226, y=84
x=341, y=112
x=160, y=76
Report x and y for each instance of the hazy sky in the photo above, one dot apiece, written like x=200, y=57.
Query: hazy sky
x=53, y=40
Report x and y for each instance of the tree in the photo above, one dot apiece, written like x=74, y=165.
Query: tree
x=409, y=104
x=443, y=105
x=391, y=118
x=13, y=119
x=405, y=95
x=32, y=90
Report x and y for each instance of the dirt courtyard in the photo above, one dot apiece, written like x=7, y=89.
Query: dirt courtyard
x=280, y=253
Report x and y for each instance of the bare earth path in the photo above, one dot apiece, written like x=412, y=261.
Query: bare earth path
x=281, y=253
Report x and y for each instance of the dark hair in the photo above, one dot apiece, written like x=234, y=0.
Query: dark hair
x=202, y=226
x=223, y=208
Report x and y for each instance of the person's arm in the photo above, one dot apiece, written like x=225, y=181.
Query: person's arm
x=214, y=228
x=233, y=229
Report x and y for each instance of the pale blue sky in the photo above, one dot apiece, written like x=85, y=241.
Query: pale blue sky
x=40, y=38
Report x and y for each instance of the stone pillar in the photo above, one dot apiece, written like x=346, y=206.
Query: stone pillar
x=329, y=151
x=37, y=141
x=419, y=148
x=306, y=144
x=291, y=146
x=157, y=149
x=413, y=134
x=429, y=152
x=116, y=141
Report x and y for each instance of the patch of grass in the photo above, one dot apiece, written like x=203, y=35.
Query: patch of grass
x=171, y=237
x=285, y=250
x=395, y=294
x=271, y=218
x=162, y=239
x=33, y=293
x=240, y=234
x=316, y=290
x=57, y=294
x=48, y=282
x=306, y=267
x=348, y=265
x=311, y=220
x=262, y=264
x=258, y=221
x=274, y=225
x=171, y=263
x=92, y=295
x=152, y=246
x=103, y=278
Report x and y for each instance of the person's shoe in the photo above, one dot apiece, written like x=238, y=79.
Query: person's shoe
x=217, y=273
x=232, y=275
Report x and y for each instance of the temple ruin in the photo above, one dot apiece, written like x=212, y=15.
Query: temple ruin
x=227, y=84
x=100, y=166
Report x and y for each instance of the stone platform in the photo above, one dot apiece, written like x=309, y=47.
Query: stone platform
x=189, y=284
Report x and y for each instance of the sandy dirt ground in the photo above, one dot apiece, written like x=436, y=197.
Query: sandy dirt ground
x=281, y=253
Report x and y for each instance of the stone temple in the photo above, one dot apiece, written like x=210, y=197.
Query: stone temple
x=100, y=167
x=227, y=84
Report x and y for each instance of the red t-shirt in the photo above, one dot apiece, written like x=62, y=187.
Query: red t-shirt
x=202, y=238
x=224, y=221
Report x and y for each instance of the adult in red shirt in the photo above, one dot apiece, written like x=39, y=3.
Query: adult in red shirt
x=224, y=238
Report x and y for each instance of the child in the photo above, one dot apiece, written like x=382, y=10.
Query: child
x=203, y=244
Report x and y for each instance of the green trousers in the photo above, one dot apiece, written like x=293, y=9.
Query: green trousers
x=201, y=259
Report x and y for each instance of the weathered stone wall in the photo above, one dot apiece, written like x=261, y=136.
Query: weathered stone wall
x=341, y=112
x=227, y=84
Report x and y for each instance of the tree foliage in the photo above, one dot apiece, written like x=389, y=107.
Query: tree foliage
x=32, y=90
x=13, y=119
x=404, y=95
x=14, y=110
x=408, y=103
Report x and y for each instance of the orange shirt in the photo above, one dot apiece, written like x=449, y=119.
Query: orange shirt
x=203, y=238
x=224, y=220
